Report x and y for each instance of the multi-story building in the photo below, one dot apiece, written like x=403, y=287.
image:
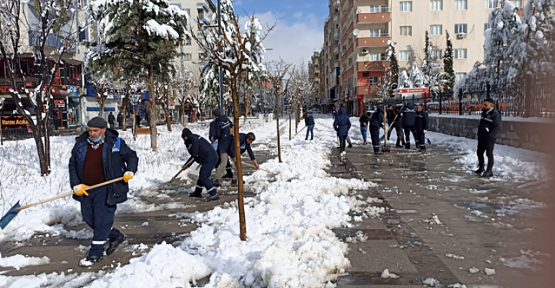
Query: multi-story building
x=330, y=55
x=315, y=74
x=199, y=11
x=365, y=27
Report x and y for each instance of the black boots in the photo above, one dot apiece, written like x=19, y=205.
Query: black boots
x=114, y=243
x=479, y=171
x=487, y=174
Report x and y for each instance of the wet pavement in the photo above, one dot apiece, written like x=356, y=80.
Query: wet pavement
x=436, y=214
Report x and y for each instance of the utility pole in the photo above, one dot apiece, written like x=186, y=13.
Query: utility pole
x=220, y=66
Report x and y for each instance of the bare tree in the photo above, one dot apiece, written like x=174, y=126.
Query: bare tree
x=186, y=84
x=301, y=88
x=235, y=51
x=51, y=36
x=277, y=70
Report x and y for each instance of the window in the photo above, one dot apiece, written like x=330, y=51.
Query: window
x=373, y=80
x=459, y=76
x=436, y=54
x=404, y=55
x=460, y=28
x=406, y=6
x=461, y=4
x=374, y=8
x=486, y=26
x=374, y=56
x=374, y=32
x=384, y=56
x=187, y=41
x=383, y=32
x=490, y=4
x=460, y=53
x=436, y=29
x=517, y=3
x=383, y=8
x=406, y=30
x=436, y=5
x=188, y=57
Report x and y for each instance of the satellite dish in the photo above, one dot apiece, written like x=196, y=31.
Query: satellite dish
x=356, y=32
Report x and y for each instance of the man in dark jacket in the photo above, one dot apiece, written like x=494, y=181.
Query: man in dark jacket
x=98, y=156
x=376, y=122
x=112, y=120
x=120, y=120
x=342, y=124
x=364, y=119
x=421, y=127
x=225, y=142
x=390, y=114
x=489, y=128
x=309, y=122
x=245, y=140
x=203, y=153
x=409, y=118
x=398, y=125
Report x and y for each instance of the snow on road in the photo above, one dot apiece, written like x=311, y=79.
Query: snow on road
x=289, y=221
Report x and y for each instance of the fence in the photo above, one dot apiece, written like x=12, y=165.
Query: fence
x=510, y=99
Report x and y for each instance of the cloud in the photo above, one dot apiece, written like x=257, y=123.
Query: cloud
x=295, y=41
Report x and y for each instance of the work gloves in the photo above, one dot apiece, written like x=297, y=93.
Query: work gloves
x=128, y=176
x=79, y=190
x=425, y=131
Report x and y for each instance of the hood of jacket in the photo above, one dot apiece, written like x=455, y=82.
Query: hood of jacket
x=410, y=106
x=110, y=134
x=380, y=109
x=342, y=111
x=186, y=133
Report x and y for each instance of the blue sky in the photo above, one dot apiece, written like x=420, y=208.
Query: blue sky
x=299, y=26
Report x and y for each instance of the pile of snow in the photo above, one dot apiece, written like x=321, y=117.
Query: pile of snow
x=386, y=274
x=18, y=261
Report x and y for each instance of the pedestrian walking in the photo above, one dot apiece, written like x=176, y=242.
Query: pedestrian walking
x=203, y=153
x=421, y=127
x=488, y=129
x=376, y=122
x=409, y=119
x=112, y=120
x=364, y=120
x=99, y=155
x=120, y=120
x=342, y=124
x=225, y=143
x=309, y=123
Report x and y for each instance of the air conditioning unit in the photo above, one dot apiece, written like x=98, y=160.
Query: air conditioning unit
x=364, y=51
x=461, y=36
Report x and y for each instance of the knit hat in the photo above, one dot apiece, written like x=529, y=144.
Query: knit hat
x=97, y=122
x=217, y=112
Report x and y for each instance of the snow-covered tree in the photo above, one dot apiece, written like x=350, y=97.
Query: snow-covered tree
x=40, y=22
x=237, y=50
x=393, y=65
x=145, y=33
x=432, y=72
x=448, y=66
x=301, y=87
x=277, y=70
x=186, y=86
x=404, y=80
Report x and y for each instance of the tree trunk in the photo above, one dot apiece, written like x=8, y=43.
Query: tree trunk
x=242, y=223
x=277, y=123
x=182, y=114
x=290, y=113
x=152, y=111
x=297, y=118
x=124, y=104
x=247, y=105
x=166, y=113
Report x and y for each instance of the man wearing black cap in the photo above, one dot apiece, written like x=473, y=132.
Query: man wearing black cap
x=98, y=156
x=203, y=153
x=421, y=127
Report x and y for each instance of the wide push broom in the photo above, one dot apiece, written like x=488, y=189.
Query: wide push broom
x=10, y=215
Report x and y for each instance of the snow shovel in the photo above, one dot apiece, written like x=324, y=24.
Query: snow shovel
x=382, y=138
x=183, y=169
x=261, y=169
x=299, y=131
x=385, y=147
x=8, y=217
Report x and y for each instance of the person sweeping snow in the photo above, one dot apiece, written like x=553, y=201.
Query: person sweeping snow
x=98, y=156
x=202, y=152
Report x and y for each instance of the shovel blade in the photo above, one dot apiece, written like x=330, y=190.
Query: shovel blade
x=386, y=148
x=8, y=217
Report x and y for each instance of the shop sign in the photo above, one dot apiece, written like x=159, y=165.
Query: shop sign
x=14, y=121
x=59, y=103
x=73, y=91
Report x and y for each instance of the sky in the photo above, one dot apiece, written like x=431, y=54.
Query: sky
x=299, y=29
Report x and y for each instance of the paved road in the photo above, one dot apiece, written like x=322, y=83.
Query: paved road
x=406, y=240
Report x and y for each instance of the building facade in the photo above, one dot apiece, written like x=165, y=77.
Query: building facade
x=359, y=30
x=315, y=74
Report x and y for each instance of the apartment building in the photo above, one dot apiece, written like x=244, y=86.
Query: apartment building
x=315, y=74
x=365, y=27
x=199, y=11
x=330, y=54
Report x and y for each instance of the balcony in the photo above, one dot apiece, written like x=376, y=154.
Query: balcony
x=347, y=53
x=378, y=66
x=367, y=90
x=373, y=41
x=374, y=17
